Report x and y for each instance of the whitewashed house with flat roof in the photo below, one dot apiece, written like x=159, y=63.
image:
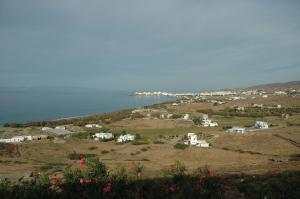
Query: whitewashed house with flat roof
x=46, y=128
x=261, y=125
x=237, y=130
x=193, y=141
x=186, y=116
x=60, y=127
x=208, y=123
x=126, y=137
x=103, y=136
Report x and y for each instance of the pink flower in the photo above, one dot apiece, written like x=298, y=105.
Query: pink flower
x=170, y=189
x=139, y=174
x=82, y=161
x=202, y=179
x=54, y=181
x=83, y=181
x=107, y=188
x=132, y=164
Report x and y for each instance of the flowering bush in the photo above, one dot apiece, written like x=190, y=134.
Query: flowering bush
x=92, y=180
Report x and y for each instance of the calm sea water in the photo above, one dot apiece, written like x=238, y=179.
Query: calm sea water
x=47, y=104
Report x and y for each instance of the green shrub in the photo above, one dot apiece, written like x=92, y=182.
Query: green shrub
x=180, y=146
x=176, y=116
x=176, y=169
x=104, y=151
x=158, y=142
x=92, y=148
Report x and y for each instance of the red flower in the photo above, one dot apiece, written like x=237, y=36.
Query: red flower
x=202, y=179
x=132, y=164
x=107, y=188
x=139, y=174
x=54, y=181
x=82, y=161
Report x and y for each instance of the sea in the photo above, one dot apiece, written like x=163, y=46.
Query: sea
x=19, y=105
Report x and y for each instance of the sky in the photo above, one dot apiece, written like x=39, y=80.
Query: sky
x=171, y=45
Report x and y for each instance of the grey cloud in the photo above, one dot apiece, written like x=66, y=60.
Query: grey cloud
x=154, y=44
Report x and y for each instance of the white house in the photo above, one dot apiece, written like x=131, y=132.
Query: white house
x=124, y=138
x=103, y=136
x=208, y=123
x=169, y=116
x=193, y=140
x=28, y=137
x=202, y=143
x=261, y=125
x=93, y=126
x=39, y=137
x=237, y=130
x=46, y=128
x=186, y=116
x=60, y=127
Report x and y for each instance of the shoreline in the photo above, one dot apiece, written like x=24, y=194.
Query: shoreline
x=79, y=117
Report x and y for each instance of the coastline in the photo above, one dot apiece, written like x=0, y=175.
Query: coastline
x=68, y=120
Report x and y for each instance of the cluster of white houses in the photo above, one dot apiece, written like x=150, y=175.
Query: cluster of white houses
x=192, y=139
x=93, y=126
x=205, y=122
x=109, y=136
x=242, y=130
x=22, y=138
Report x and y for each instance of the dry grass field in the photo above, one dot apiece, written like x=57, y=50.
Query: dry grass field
x=255, y=152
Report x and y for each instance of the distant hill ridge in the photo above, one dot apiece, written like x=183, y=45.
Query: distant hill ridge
x=283, y=85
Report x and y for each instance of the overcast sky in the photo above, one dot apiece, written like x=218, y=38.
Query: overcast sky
x=148, y=44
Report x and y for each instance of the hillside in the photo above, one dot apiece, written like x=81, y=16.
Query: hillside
x=273, y=86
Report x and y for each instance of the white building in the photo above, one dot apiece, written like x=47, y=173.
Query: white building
x=46, y=128
x=186, y=116
x=169, y=116
x=103, y=136
x=261, y=125
x=28, y=137
x=208, y=123
x=93, y=126
x=60, y=127
x=124, y=138
x=39, y=137
x=237, y=130
x=193, y=141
